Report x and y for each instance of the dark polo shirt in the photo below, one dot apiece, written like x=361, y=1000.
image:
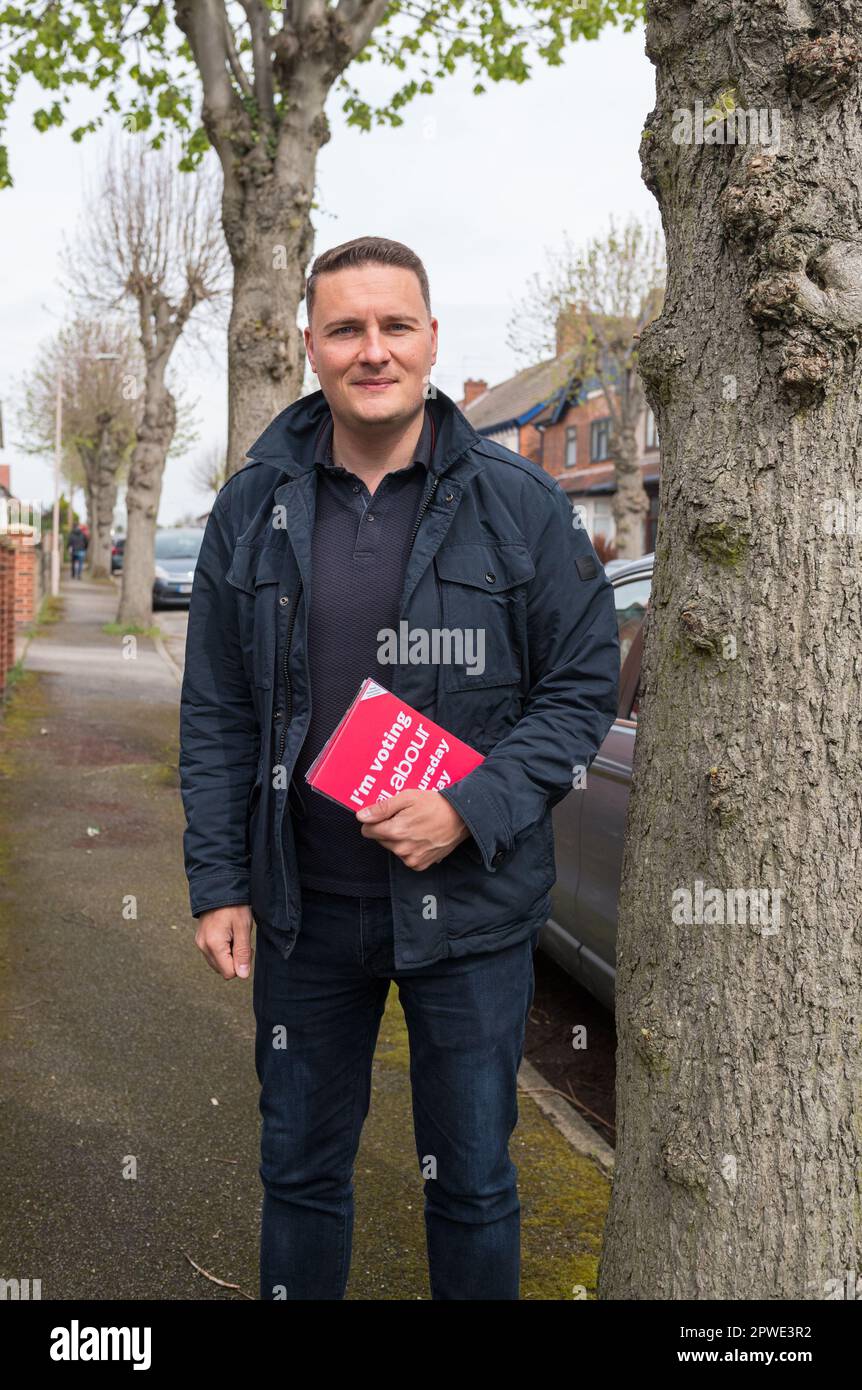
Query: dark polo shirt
x=359, y=554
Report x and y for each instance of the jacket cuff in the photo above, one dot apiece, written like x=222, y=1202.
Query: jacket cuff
x=209, y=891
x=487, y=825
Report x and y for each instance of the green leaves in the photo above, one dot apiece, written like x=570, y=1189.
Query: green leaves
x=64, y=44
x=494, y=38
x=106, y=44
x=43, y=120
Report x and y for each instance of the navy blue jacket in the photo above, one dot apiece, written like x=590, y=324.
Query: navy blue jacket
x=498, y=549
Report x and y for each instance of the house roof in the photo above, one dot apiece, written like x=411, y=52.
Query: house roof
x=537, y=395
x=518, y=400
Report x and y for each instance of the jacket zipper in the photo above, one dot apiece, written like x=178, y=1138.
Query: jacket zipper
x=426, y=502
x=288, y=688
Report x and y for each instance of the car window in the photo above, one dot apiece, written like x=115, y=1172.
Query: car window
x=178, y=545
x=631, y=598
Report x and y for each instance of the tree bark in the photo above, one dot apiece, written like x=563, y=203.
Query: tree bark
x=739, y=1161
x=268, y=153
x=107, y=503
x=630, y=501
x=92, y=519
x=143, y=492
x=104, y=499
x=269, y=233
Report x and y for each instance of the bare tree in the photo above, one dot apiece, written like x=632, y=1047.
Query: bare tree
x=269, y=72
x=95, y=360
x=589, y=312
x=210, y=470
x=153, y=240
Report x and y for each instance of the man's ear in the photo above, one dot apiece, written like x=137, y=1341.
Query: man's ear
x=309, y=350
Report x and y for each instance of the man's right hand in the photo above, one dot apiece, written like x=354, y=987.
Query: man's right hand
x=224, y=936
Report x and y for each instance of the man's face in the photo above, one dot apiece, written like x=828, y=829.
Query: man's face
x=371, y=344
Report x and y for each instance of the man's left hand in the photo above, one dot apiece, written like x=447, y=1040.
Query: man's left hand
x=420, y=827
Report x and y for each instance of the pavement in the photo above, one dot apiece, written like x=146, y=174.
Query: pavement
x=129, y=1119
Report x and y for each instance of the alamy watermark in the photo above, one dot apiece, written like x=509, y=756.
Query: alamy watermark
x=842, y=516
x=725, y=123
x=759, y=907
x=424, y=646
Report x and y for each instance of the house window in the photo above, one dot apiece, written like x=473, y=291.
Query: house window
x=571, y=446
x=600, y=438
x=603, y=520
x=651, y=431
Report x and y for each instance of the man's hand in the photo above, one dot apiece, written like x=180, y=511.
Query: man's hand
x=224, y=936
x=420, y=827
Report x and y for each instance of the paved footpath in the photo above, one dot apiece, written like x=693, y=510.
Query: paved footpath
x=128, y=1101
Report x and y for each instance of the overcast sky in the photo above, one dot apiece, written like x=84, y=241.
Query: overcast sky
x=480, y=187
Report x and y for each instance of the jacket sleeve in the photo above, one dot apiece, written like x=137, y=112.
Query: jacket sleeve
x=574, y=657
x=219, y=733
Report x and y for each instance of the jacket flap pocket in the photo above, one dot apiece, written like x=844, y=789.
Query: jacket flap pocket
x=492, y=568
x=253, y=565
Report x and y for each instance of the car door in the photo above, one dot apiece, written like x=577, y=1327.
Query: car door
x=605, y=799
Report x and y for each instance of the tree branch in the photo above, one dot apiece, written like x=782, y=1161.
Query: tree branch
x=236, y=66
x=259, y=16
x=360, y=18
x=204, y=23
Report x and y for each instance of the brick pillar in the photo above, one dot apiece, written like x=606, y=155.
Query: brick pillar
x=7, y=610
x=26, y=586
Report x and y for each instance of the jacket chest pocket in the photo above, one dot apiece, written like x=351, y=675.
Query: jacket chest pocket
x=483, y=597
x=255, y=573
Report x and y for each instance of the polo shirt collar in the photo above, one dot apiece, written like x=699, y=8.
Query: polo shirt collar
x=421, y=454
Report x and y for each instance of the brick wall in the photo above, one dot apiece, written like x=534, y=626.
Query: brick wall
x=26, y=582
x=7, y=609
x=581, y=417
x=530, y=444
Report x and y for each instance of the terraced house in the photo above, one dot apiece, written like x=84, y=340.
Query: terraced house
x=548, y=414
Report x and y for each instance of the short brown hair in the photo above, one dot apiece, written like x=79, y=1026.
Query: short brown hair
x=361, y=251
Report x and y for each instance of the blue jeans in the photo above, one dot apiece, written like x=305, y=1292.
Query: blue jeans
x=318, y=1015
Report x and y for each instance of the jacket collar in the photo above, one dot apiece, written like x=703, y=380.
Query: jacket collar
x=288, y=441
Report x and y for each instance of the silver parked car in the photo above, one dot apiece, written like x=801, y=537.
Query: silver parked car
x=176, y=557
x=589, y=824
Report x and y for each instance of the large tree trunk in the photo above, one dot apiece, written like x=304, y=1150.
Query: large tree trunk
x=92, y=518
x=270, y=238
x=107, y=503
x=104, y=492
x=739, y=1162
x=267, y=122
x=143, y=492
x=630, y=501
x=269, y=160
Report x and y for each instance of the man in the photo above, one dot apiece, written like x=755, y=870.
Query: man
x=78, y=544
x=367, y=506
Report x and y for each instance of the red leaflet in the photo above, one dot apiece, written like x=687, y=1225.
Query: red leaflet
x=383, y=746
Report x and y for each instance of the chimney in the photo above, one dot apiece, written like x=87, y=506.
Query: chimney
x=472, y=390
x=570, y=329
x=5, y=479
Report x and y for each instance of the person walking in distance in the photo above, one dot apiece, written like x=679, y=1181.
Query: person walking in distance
x=78, y=543
x=369, y=503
